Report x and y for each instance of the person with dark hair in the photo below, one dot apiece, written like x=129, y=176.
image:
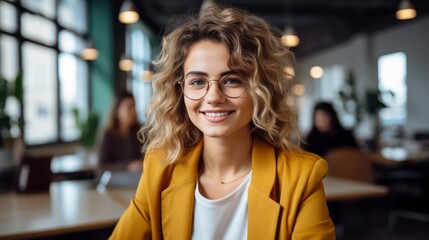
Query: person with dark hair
x=327, y=132
x=222, y=144
x=120, y=146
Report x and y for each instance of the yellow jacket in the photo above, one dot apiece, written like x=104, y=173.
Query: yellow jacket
x=286, y=198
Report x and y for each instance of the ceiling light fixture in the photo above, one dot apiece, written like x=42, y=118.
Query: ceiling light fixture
x=89, y=53
x=126, y=63
x=147, y=74
x=128, y=13
x=290, y=38
x=298, y=89
x=316, y=72
x=406, y=11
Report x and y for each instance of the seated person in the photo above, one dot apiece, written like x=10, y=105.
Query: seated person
x=120, y=147
x=327, y=132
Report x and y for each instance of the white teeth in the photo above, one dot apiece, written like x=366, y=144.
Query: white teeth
x=216, y=114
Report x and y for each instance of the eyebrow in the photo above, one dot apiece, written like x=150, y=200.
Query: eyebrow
x=204, y=74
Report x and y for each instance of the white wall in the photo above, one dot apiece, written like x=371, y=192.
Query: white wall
x=361, y=54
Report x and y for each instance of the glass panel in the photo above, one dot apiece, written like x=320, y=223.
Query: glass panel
x=142, y=92
x=9, y=57
x=45, y=7
x=72, y=14
x=73, y=93
x=140, y=49
x=71, y=43
x=40, y=87
x=392, y=72
x=38, y=28
x=7, y=17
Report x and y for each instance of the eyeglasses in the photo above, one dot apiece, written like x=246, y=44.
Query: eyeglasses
x=196, y=87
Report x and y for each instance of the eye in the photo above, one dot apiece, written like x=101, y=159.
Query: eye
x=232, y=80
x=196, y=81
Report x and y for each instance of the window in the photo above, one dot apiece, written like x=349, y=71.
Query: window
x=46, y=49
x=139, y=42
x=331, y=86
x=9, y=56
x=392, y=74
x=40, y=105
x=7, y=17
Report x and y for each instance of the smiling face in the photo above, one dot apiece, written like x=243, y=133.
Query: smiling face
x=215, y=114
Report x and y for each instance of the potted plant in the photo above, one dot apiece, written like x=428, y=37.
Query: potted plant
x=88, y=127
x=371, y=106
x=12, y=89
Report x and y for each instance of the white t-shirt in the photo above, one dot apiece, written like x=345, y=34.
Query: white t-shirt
x=224, y=218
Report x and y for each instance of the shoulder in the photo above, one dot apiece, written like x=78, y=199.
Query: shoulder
x=155, y=164
x=298, y=163
x=299, y=158
x=153, y=161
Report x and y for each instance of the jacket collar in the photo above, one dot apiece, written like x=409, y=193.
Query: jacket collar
x=178, y=199
x=261, y=208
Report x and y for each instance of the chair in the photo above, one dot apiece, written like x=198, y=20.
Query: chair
x=34, y=174
x=409, y=194
x=350, y=163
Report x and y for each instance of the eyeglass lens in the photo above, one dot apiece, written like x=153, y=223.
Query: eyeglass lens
x=196, y=87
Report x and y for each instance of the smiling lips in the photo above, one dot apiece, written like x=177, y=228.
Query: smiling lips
x=216, y=114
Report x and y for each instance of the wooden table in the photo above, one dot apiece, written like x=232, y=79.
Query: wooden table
x=71, y=206
x=400, y=156
x=338, y=189
x=74, y=206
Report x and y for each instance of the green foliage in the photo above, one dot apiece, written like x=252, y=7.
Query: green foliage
x=349, y=98
x=88, y=127
x=373, y=103
x=7, y=89
x=351, y=103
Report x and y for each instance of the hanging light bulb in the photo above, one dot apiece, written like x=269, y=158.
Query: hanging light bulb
x=126, y=63
x=406, y=11
x=147, y=74
x=128, y=13
x=90, y=52
x=298, y=89
x=290, y=38
x=316, y=72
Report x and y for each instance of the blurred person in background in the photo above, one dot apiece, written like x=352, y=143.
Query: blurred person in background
x=120, y=147
x=327, y=132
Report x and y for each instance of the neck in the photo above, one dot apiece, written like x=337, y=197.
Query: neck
x=228, y=157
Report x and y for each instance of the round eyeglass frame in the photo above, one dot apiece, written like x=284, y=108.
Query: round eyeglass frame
x=208, y=87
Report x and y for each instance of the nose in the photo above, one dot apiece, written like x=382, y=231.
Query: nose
x=214, y=95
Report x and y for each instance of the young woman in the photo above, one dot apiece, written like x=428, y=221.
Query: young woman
x=120, y=147
x=222, y=156
x=327, y=132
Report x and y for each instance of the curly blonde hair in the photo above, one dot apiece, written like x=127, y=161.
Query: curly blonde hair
x=255, y=51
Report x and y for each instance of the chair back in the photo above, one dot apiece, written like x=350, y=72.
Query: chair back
x=34, y=174
x=350, y=163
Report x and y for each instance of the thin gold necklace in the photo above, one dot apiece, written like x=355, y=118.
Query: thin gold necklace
x=223, y=182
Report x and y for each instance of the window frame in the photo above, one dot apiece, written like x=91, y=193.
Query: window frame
x=20, y=10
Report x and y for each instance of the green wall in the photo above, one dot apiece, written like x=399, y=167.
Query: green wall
x=101, y=22
x=108, y=36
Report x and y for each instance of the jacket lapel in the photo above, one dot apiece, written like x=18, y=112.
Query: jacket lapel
x=177, y=203
x=263, y=211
